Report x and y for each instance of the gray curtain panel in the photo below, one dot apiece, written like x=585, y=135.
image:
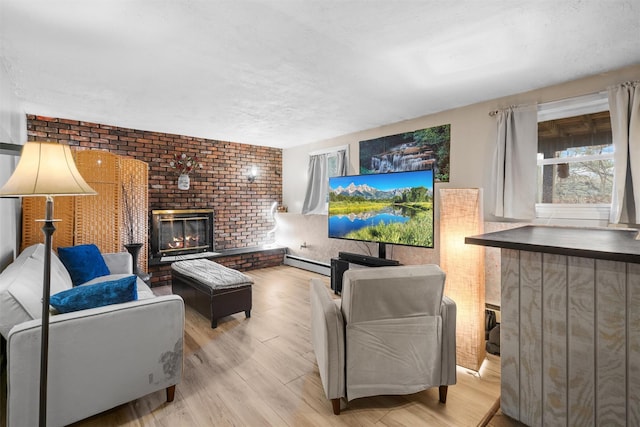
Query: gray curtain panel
x=624, y=106
x=514, y=162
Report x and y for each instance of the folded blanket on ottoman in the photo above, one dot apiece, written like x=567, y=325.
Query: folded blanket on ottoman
x=211, y=273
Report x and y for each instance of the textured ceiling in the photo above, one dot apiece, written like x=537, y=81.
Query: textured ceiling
x=283, y=73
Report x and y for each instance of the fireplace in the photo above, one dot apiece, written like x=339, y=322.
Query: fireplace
x=180, y=232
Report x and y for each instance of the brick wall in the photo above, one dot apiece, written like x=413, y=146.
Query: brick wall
x=241, y=209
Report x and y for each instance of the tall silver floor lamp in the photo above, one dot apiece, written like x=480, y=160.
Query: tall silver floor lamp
x=46, y=169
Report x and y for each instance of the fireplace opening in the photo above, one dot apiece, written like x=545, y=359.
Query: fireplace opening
x=181, y=232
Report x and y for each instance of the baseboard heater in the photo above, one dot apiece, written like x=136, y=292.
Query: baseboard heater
x=308, y=264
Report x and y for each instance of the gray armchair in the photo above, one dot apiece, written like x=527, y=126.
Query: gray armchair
x=393, y=332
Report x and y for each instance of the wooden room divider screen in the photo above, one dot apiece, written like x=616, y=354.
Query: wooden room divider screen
x=101, y=219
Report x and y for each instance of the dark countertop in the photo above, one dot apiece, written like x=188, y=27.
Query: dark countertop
x=613, y=244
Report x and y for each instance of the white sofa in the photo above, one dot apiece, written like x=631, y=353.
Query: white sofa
x=99, y=358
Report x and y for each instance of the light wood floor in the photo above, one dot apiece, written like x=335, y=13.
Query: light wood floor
x=262, y=372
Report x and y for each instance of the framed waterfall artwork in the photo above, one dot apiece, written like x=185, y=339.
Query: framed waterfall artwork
x=417, y=150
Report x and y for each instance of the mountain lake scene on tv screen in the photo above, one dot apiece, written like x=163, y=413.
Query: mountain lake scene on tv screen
x=390, y=210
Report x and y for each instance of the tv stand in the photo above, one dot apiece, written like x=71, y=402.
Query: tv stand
x=341, y=264
x=369, y=261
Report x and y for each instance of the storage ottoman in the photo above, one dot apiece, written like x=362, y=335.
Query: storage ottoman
x=215, y=291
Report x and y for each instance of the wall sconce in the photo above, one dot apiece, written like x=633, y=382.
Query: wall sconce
x=253, y=173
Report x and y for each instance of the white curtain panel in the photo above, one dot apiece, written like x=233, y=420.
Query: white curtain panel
x=315, y=201
x=624, y=106
x=514, y=162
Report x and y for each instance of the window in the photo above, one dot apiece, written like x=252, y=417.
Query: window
x=333, y=163
x=575, y=159
x=322, y=165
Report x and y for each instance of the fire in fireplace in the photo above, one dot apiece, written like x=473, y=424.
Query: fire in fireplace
x=179, y=232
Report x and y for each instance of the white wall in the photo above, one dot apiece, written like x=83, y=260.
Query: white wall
x=472, y=137
x=13, y=129
x=472, y=141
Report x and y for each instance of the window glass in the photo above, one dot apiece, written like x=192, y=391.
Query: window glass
x=575, y=158
x=332, y=164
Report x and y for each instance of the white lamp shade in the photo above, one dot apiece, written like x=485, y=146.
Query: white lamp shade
x=46, y=169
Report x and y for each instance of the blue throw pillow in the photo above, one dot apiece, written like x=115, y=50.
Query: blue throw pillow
x=83, y=262
x=96, y=295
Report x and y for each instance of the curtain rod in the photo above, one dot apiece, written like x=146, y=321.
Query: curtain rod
x=628, y=83
x=329, y=150
x=601, y=92
x=494, y=112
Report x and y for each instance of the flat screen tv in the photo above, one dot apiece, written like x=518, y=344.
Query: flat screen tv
x=388, y=208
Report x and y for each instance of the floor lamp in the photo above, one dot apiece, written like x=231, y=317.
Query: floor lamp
x=46, y=169
x=461, y=216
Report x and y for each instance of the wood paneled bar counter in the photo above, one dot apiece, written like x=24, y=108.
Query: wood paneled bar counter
x=570, y=328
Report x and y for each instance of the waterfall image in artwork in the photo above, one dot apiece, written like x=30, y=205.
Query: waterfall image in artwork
x=424, y=149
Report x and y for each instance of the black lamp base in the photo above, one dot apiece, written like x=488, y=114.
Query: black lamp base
x=48, y=229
